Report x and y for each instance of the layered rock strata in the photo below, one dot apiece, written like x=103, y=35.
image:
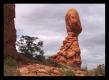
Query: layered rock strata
x=44, y=70
x=69, y=52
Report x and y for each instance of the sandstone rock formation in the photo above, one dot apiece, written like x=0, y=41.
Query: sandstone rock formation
x=9, y=30
x=10, y=35
x=45, y=70
x=69, y=52
x=38, y=70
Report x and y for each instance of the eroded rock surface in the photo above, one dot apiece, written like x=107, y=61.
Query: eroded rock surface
x=69, y=52
x=9, y=30
x=10, y=35
x=45, y=70
x=38, y=70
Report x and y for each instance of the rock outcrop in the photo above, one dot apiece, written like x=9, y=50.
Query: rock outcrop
x=38, y=70
x=10, y=35
x=69, y=52
x=9, y=30
x=45, y=70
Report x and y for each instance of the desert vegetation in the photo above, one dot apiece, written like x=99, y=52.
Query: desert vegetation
x=10, y=66
x=27, y=47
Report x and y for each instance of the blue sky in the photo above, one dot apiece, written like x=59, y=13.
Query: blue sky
x=47, y=21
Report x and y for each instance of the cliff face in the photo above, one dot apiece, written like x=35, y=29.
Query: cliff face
x=9, y=30
x=10, y=35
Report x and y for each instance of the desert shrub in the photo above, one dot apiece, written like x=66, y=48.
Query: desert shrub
x=67, y=73
x=10, y=67
x=51, y=62
x=10, y=61
x=100, y=70
x=40, y=58
x=30, y=46
x=66, y=70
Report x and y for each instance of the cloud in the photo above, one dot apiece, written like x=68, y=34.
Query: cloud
x=47, y=22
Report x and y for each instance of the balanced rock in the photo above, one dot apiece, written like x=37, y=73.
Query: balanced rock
x=69, y=53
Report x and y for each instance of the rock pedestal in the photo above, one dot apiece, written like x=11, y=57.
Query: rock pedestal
x=69, y=52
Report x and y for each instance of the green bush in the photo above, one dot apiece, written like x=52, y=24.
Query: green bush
x=10, y=67
x=10, y=61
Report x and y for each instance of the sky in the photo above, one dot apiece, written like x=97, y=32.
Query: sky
x=47, y=21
